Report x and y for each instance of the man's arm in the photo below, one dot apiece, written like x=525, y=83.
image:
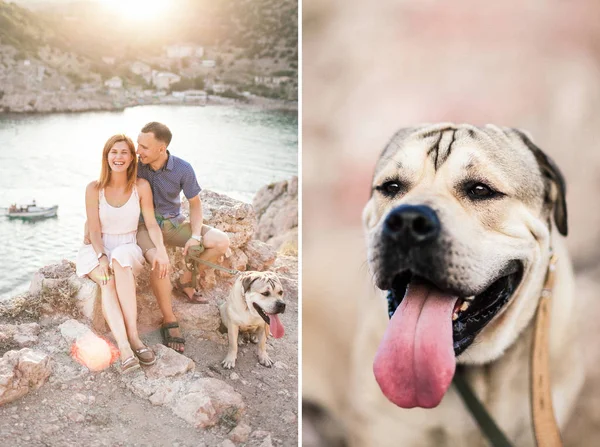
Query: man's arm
x=196, y=216
x=196, y=221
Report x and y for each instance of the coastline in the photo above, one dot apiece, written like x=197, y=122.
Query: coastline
x=102, y=103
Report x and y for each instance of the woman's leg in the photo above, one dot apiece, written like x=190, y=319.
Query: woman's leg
x=113, y=313
x=125, y=283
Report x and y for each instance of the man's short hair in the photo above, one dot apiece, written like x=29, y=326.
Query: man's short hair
x=160, y=131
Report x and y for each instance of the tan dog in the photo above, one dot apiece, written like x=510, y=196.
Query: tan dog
x=253, y=307
x=459, y=230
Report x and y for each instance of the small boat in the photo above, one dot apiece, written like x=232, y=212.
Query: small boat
x=32, y=211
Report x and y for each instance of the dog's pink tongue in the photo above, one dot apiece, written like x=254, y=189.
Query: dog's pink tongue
x=275, y=326
x=415, y=361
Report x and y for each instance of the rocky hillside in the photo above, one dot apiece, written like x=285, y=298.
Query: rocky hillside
x=58, y=55
x=260, y=29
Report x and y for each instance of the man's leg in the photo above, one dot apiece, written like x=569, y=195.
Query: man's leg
x=161, y=287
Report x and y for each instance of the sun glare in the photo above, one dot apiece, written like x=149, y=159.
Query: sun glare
x=138, y=10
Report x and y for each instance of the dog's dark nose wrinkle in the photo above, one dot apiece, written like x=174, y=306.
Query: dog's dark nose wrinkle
x=412, y=224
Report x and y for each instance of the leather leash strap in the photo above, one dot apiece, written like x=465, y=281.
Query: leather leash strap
x=192, y=259
x=545, y=427
x=492, y=432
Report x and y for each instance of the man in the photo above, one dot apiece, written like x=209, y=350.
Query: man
x=168, y=177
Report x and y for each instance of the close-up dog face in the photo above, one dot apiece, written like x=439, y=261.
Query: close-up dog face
x=263, y=294
x=458, y=231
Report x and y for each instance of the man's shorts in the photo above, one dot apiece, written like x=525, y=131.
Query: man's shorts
x=176, y=236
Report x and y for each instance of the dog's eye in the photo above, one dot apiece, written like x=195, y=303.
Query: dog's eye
x=281, y=292
x=479, y=191
x=390, y=188
x=267, y=293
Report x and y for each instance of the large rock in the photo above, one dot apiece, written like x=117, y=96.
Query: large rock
x=72, y=330
x=22, y=371
x=203, y=402
x=89, y=301
x=18, y=335
x=240, y=434
x=208, y=401
x=276, y=207
x=169, y=363
x=235, y=218
x=260, y=255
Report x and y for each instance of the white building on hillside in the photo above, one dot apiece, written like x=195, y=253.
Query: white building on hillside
x=271, y=80
x=219, y=88
x=181, y=51
x=143, y=70
x=162, y=80
x=115, y=82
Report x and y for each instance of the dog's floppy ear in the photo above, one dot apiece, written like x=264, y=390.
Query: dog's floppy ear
x=552, y=176
x=247, y=282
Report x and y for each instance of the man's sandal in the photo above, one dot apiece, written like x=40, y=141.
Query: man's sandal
x=145, y=355
x=168, y=338
x=129, y=364
x=196, y=298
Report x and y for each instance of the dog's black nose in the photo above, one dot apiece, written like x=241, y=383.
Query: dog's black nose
x=412, y=224
x=280, y=306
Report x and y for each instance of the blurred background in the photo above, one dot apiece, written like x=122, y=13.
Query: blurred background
x=369, y=69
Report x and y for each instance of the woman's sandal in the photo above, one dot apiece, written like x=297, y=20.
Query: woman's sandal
x=196, y=298
x=129, y=364
x=145, y=355
x=168, y=338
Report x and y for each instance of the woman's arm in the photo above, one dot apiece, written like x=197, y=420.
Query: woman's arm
x=95, y=230
x=161, y=260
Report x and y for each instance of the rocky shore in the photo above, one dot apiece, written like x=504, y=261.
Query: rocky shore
x=74, y=102
x=48, y=398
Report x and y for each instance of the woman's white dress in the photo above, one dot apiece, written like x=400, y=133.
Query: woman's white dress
x=119, y=228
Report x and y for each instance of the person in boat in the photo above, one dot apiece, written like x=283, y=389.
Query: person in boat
x=113, y=258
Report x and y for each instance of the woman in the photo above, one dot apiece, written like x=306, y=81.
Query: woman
x=112, y=259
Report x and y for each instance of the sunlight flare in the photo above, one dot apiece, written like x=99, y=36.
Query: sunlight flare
x=138, y=10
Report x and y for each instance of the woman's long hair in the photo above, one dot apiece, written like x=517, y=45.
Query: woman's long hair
x=105, y=171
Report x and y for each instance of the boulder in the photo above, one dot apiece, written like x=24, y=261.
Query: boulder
x=240, y=434
x=231, y=216
x=276, y=207
x=261, y=256
x=18, y=335
x=208, y=402
x=168, y=363
x=22, y=371
x=203, y=402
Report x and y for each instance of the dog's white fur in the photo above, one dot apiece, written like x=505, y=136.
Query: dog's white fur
x=239, y=315
x=498, y=361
